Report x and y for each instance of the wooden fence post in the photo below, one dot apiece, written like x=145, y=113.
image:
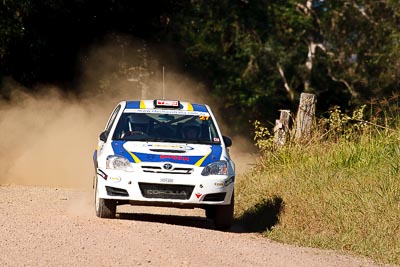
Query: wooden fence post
x=281, y=129
x=305, y=116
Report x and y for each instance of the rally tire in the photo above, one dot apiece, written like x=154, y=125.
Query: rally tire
x=105, y=208
x=224, y=215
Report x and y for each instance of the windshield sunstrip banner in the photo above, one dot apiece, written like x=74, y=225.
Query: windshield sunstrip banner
x=173, y=112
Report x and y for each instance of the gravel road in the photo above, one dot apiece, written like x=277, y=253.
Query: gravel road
x=42, y=226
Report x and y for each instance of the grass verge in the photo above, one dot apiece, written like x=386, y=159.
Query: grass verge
x=342, y=195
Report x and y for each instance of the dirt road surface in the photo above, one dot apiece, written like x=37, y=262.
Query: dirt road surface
x=42, y=226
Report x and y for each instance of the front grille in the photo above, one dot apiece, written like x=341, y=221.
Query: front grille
x=166, y=191
x=215, y=197
x=113, y=191
x=156, y=169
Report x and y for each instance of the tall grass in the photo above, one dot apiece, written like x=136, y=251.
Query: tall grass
x=340, y=191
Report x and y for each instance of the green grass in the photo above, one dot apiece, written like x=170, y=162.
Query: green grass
x=342, y=195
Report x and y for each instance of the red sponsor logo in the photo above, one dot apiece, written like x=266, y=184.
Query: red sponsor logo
x=198, y=195
x=180, y=158
x=172, y=103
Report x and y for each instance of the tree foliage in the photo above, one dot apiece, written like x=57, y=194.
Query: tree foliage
x=262, y=54
x=12, y=14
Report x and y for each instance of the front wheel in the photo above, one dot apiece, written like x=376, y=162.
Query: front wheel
x=105, y=208
x=224, y=215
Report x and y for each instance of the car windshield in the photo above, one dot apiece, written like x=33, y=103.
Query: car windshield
x=163, y=127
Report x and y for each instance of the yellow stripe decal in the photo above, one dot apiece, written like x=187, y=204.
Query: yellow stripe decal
x=142, y=105
x=135, y=158
x=200, y=161
x=190, y=107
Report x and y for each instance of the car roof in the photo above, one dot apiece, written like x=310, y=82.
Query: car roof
x=149, y=104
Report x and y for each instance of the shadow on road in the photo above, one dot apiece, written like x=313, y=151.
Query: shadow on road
x=263, y=216
x=191, y=221
x=259, y=218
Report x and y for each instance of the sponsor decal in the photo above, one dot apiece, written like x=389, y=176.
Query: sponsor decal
x=204, y=118
x=166, y=192
x=216, y=139
x=166, y=180
x=115, y=179
x=198, y=195
x=219, y=184
x=180, y=158
x=167, y=103
x=168, y=146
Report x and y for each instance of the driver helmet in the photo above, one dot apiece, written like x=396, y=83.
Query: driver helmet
x=191, y=130
x=138, y=122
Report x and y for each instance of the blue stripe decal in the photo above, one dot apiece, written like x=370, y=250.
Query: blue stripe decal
x=214, y=155
x=133, y=104
x=118, y=147
x=216, y=151
x=197, y=107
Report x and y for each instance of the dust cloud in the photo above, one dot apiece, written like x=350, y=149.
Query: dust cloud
x=48, y=138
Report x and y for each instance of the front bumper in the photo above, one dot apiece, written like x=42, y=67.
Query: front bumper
x=158, y=189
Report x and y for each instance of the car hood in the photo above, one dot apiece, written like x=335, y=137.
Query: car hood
x=193, y=154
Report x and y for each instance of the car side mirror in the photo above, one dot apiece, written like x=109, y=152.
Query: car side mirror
x=104, y=136
x=227, y=141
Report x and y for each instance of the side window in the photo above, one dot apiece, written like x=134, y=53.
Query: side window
x=214, y=134
x=112, y=118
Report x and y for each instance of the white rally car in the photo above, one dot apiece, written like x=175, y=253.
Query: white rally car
x=164, y=153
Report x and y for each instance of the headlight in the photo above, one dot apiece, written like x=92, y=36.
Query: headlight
x=216, y=168
x=118, y=163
